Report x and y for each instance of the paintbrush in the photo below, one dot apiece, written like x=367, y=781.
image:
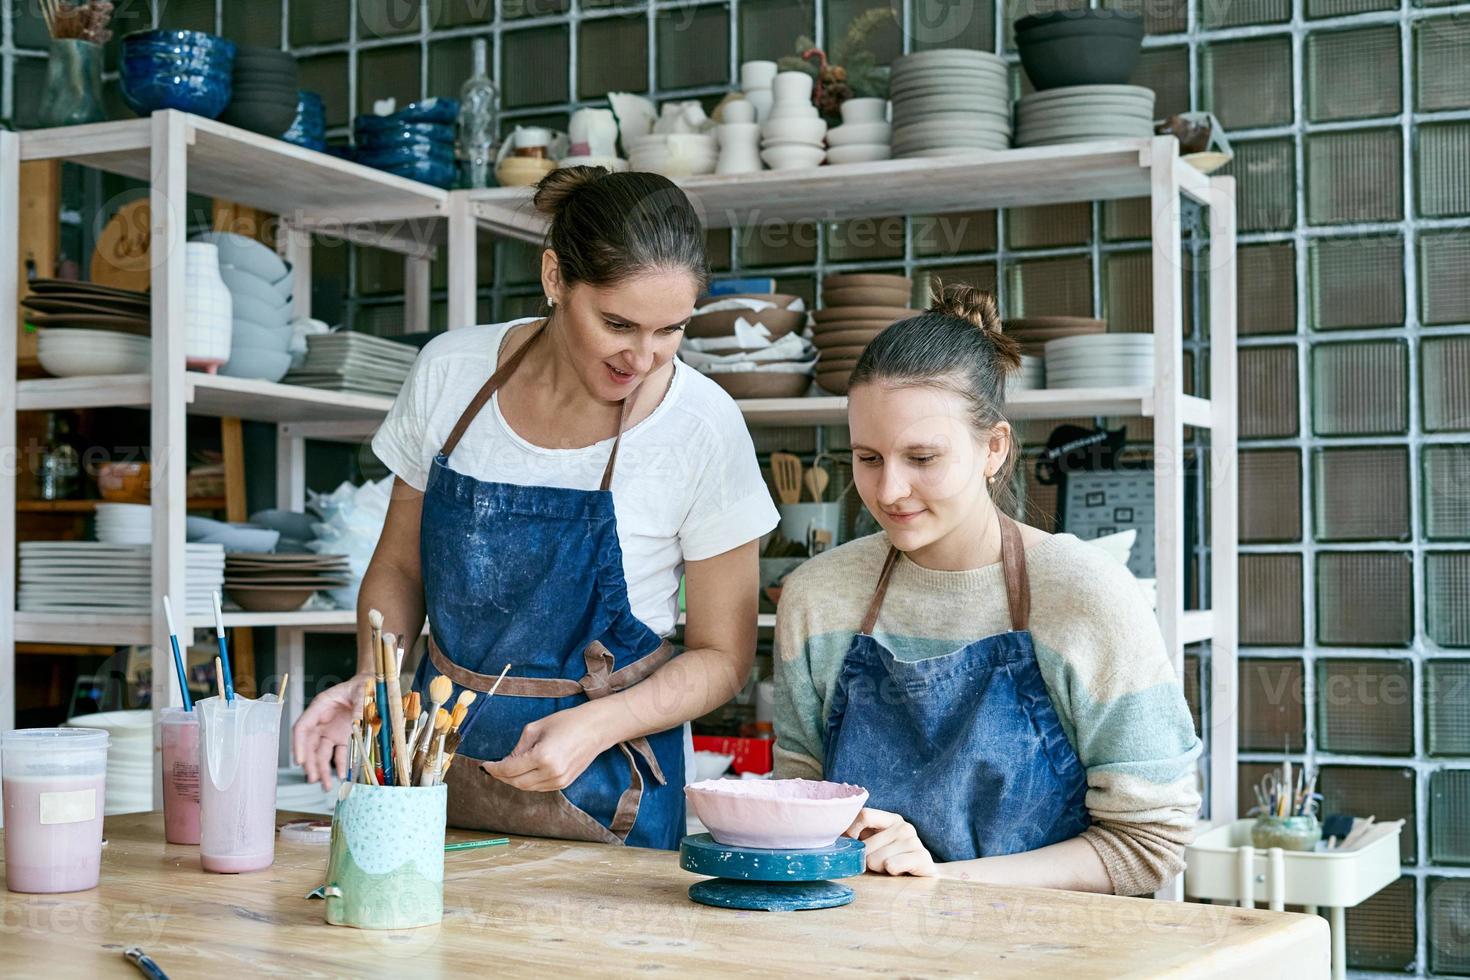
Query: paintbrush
x=224, y=650
x=422, y=759
x=435, y=772
x=440, y=688
x=461, y=709
x=173, y=639
x=395, y=709
x=219, y=678
x=384, y=735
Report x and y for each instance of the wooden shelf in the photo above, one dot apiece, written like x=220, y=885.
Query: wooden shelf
x=1100, y=171
x=1045, y=403
x=310, y=189
x=206, y=394
x=88, y=506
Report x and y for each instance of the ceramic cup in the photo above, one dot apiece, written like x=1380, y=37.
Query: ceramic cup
x=533, y=152
x=593, y=132
x=385, y=869
x=864, y=110
x=532, y=136
x=757, y=74
x=793, y=86
x=738, y=111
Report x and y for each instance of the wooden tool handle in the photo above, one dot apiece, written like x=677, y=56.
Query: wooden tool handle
x=395, y=705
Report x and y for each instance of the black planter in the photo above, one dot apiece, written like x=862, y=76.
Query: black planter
x=1080, y=47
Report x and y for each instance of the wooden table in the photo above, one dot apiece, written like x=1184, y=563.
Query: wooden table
x=560, y=909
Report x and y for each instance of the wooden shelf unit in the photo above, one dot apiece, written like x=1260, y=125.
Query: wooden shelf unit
x=324, y=195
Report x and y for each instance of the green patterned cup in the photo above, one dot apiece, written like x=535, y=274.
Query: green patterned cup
x=386, y=866
x=1287, y=833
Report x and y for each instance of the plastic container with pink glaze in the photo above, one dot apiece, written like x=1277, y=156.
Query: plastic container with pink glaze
x=778, y=814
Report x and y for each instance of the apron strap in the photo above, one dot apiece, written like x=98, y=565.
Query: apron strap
x=876, y=603
x=1013, y=566
x=496, y=379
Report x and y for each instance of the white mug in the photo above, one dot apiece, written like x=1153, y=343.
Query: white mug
x=529, y=136
x=593, y=132
x=793, y=86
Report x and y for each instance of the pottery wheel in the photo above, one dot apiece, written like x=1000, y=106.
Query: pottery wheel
x=767, y=880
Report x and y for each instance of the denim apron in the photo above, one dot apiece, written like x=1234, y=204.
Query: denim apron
x=533, y=577
x=965, y=746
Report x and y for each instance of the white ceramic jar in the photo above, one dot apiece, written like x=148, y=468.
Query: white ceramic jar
x=208, y=309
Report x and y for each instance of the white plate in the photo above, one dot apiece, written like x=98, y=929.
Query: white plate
x=1084, y=91
x=854, y=134
x=859, y=153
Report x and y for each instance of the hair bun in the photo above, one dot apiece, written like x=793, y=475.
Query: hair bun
x=978, y=308
x=555, y=189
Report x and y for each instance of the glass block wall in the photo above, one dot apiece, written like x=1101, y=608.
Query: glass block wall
x=1350, y=121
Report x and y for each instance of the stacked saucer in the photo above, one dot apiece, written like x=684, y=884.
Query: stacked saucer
x=1108, y=360
x=1031, y=376
x=348, y=360
x=858, y=308
x=1033, y=332
x=268, y=582
x=949, y=101
x=1084, y=113
x=124, y=523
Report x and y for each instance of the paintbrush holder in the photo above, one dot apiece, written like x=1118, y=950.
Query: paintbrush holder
x=385, y=869
x=1287, y=833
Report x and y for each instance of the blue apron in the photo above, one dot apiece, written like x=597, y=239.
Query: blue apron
x=966, y=746
x=533, y=577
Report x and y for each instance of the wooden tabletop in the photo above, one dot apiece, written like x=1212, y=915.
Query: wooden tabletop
x=562, y=908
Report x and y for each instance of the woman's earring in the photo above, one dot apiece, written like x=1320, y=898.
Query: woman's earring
x=551, y=301
x=991, y=479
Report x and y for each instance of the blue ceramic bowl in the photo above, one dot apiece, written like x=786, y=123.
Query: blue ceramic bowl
x=425, y=171
x=393, y=156
x=164, y=38
x=433, y=110
x=389, y=139
x=204, y=95
x=370, y=125
x=141, y=65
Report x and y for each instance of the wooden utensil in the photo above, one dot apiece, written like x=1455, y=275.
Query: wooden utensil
x=786, y=474
x=816, y=482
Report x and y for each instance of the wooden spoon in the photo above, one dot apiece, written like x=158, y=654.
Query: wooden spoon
x=816, y=482
x=786, y=474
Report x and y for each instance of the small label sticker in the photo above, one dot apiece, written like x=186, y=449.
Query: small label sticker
x=75, y=806
x=186, y=781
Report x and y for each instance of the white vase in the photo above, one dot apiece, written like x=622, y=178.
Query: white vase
x=739, y=148
x=208, y=309
x=762, y=99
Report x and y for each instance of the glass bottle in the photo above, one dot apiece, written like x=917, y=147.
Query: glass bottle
x=478, y=108
x=59, y=467
x=73, y=93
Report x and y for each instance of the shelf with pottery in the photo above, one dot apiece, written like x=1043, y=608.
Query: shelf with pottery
x=205, y=394
x=1043, y=403
x=1100, y=171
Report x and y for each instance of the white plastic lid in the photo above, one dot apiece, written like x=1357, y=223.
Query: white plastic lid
x=52, y=740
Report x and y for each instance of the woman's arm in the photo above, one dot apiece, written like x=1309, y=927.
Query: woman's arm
x=721, y=596
x=1071, y=864
x=393, y=586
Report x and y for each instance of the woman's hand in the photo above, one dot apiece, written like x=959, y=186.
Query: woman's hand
x=320, y=736
x=893, y=844
x=553, y=751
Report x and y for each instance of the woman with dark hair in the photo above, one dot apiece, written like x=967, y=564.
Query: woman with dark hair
x=555, y=476
x=1003, y=694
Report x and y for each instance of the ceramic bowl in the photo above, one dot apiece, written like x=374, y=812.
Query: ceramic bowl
x=798, y=130
x=243, y=333
x=792, y=157
x=775, y=813
x=763, y=384
x=863, y=110
x=1080, y=54
x=836, y=382
x=245, y=253
x=833, y=296
x=844, y=338
x=146, y=92
x=849, y=134
x=268, y=598
x=433, y=172
x=291, y=523
x=721, y=323
x=1084, y=22
x=256, y=362
x=243, y=283
x=251, y=310
x=859, y=153
x=233, y=537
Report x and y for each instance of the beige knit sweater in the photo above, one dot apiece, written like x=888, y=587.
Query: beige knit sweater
x=1100, y=652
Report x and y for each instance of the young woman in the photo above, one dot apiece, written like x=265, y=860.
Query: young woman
x=1003, y=694
x=555, y=476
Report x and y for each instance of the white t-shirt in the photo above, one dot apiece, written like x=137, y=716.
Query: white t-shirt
x=686, y=487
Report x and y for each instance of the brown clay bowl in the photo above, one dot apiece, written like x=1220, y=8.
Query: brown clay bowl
x=846, y=280
x=258, y=598
x=891, y=314
x=864, y=296
x=843, y=338
x=851, y=352
x=872, y=327
x=763, y=384
x=722, y=322
x=834, y=381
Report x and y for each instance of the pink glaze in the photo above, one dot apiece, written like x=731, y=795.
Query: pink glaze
x=181, y=778
x=53, y=832
x=775, y=813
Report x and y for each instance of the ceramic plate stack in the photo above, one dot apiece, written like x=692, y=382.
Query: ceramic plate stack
x=89, y=329
x=267, y=582
x=259, y=282
x=855, y=309
x=129, y=785
x=1032, y=375
x=949, y=101
x=1084, y=113
x=1109, y=360
x=674, y=154
x=95, y=577
x=750, y=345
x=125, y=523
x=1033, y=332
x=352, y=361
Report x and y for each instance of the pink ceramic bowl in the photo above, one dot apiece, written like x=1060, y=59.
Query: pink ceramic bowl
x=775, y=813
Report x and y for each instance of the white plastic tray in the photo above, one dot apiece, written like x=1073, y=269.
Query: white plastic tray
x=1334, y=879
